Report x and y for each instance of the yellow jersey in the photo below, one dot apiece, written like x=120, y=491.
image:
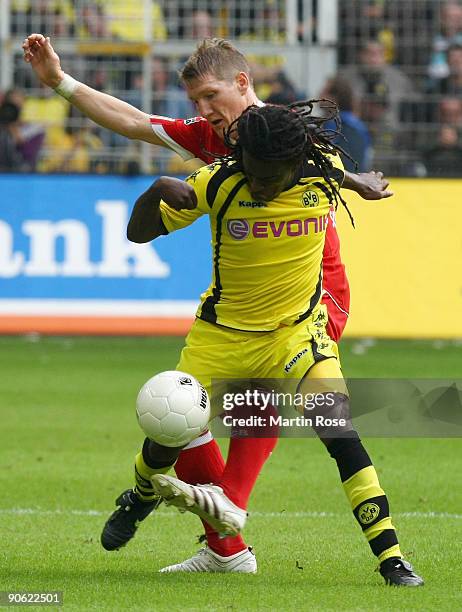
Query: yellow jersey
x=267, y=256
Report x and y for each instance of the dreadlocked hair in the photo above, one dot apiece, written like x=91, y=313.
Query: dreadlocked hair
x=289, y=133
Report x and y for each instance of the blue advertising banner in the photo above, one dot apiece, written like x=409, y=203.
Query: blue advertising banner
x=63, y=250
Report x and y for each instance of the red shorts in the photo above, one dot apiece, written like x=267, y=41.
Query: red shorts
x=336, y=295
x=338, y=317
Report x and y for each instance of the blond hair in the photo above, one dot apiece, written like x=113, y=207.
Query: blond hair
x=216, y=57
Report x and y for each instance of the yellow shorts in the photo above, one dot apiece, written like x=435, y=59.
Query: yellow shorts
x=215, y=353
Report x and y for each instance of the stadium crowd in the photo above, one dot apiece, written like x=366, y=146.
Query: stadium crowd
x=399, y=81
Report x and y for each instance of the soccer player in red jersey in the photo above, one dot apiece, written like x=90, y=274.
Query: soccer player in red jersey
x=217, y=79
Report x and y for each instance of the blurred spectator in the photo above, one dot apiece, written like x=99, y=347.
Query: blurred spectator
x=450, y=111
x=55, y=17
x=201, y=26
x=452, y=84
x=195, y=20
x=282, y=90
x=306, y=26
x=93, y=25
x=92, y=20
x=11, y=159
x=19, y=143
x=126, y=20
x=366, y=20
x=263, y=22
x=198, y=27
x=381, y=88
x=169, y=99
x=355, y=139
x=380, y=29
x=445, y=159
x=78, y=148
x=450, y=34
x=50, y=112
x=404, y=27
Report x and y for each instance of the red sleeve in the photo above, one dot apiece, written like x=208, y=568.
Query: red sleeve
x=189, y=138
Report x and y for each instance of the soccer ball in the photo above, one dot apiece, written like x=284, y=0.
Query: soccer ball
x=173, y=408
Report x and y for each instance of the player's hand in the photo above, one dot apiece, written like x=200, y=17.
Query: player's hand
x=39, y=53
x=177, y=194
x=373, y=186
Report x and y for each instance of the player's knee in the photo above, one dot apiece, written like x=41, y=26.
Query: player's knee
x=330, y=416
x=341, y=446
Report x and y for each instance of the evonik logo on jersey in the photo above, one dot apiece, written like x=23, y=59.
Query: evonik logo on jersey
x=239, y=229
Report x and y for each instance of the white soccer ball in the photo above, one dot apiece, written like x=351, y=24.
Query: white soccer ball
x=173, y=408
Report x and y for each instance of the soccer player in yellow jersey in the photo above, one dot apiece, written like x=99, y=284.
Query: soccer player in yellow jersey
x=268, y=206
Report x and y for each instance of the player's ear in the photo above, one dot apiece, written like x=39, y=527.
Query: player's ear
x=243, y=82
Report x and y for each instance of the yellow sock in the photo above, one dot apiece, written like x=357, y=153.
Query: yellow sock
x=143, y=473
x=370, y=507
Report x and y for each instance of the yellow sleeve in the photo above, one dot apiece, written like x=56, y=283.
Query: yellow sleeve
x=338, y=173
x=177, y=219
x=336, y=160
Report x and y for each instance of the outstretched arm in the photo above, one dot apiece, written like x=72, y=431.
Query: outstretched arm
x=369, y=185
x=103, y=109
x=145, y=222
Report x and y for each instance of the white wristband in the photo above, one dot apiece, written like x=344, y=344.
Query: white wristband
x=67, y=87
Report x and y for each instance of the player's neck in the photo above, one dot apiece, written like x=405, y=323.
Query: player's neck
x=251, y=98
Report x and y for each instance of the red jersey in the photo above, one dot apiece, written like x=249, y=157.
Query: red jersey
x=195, y=138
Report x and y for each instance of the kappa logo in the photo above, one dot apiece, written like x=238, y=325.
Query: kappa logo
x=368, y=513
x=294, y=360
x=310, y=199
x=245, y=204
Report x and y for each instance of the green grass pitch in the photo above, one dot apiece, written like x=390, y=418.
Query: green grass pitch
x=68, y=436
